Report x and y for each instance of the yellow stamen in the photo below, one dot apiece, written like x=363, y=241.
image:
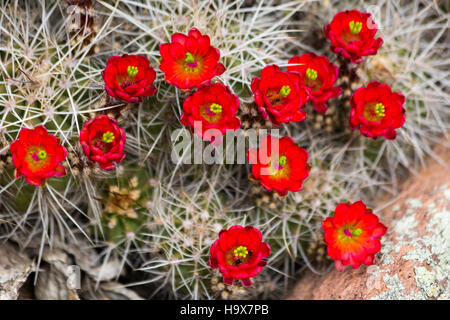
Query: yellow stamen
x=216, y=108
x=42, y=155
x=285, y=90
x=355, y=27
x=357, y=232
x=282, y=161
x=380, y=110
x=311, y=74
x=189, y=58
x=241, y=252
x=132, y=71
x=108, y=137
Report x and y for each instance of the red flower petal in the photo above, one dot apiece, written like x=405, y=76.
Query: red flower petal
x=228, y=281
x=379, y=231
x=179, y=38
x=339, y=266
x=368, y=222
x=60, y=171
x=246, y=282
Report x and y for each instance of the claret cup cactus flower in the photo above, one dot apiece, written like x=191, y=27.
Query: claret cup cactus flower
x=103, y=141
x=281, y=168
x=279, y=95
x=377, y=111
x=129, y=78
x=239, y=254
x=214, y=107
x=353, y=235
x=318, y=76
x=352, y=35
x=189, y=61
x=37, y=155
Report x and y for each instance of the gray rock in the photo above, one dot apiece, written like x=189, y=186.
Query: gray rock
x=15, y=267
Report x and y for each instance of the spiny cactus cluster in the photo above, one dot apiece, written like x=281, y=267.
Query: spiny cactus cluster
x=158, y=218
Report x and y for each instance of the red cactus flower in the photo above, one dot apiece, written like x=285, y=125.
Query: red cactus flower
x=352, y=35
x=353, y=235
x=103, y=141
x=190, y=61
x=129, y=78
x=239, y=254
x=318, y=76
x=37, y=155
x=279, y=95
x=214, y=107
x=377, y=110
x=279, y=164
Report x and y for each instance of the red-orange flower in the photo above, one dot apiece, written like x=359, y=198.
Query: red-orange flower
x=377, y=110
x=189, y=61
x=129, y=78
x=214, y=107
x=37, y=155
x=353, y=235
x=279, y=164
x=103, y=141
x=318, y=76
x=239, y=254
x=352, y=35
x=279, y=95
